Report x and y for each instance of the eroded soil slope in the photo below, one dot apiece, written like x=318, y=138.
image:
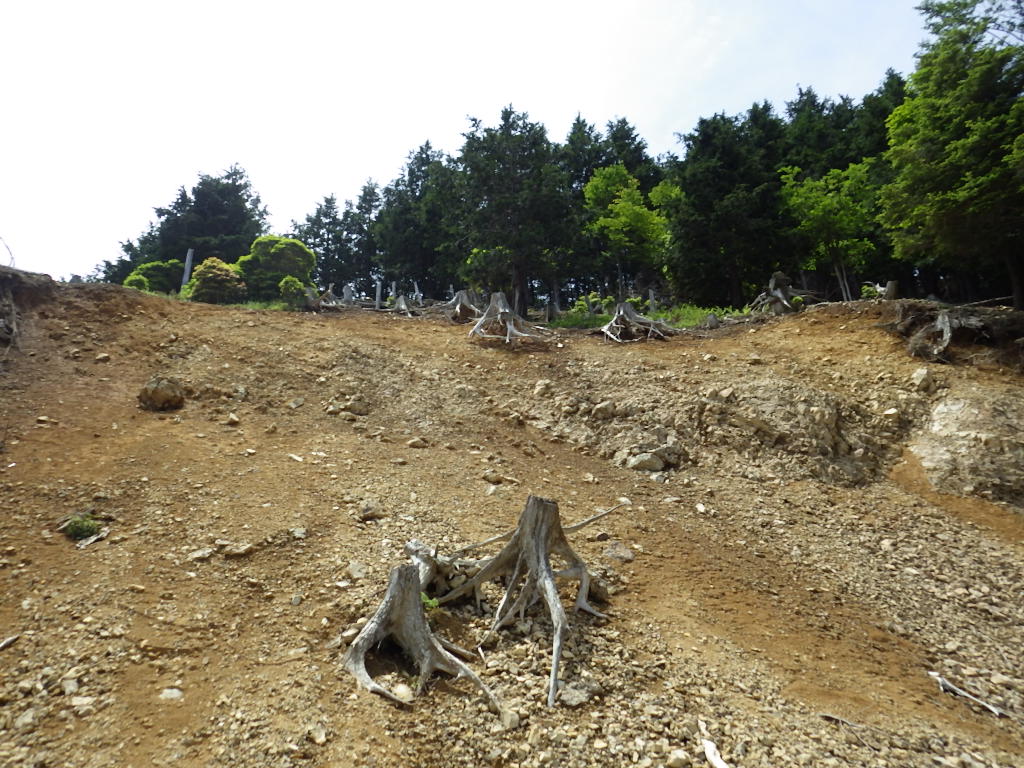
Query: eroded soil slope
x=813, y=527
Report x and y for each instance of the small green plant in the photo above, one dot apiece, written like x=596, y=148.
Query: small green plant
x=81, y=526
x=137, y=281
x=868, y=291
x=429, y=603
x=579, y=320
x=292, y=292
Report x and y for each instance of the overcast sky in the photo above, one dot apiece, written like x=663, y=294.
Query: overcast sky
x=109, y=107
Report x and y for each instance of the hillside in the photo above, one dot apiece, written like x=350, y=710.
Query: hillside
x=829, y=526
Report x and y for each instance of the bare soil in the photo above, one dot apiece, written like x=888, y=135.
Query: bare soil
x=799, y=564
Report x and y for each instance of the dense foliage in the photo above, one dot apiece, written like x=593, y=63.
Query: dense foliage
x=920, y=181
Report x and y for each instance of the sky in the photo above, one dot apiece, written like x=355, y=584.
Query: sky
x=108, y=108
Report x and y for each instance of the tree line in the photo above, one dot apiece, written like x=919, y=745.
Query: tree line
x=920, y=181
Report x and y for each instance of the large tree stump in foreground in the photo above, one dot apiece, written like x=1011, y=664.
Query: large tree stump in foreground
x=526, y=562
x=629, y=325
x=401, y=617
x=500, y=322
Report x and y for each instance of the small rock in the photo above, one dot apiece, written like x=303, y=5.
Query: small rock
x=233, y=420
x=645, y=462
x=82, y=701
x=922, y=380
x=574, y=696
x=69, y=687
x=418, y=442
x=298, y=533
x=172, y=694
x=356, y=570
x=619, y=551
x=677, y=758
x=295, y=457
x=998, y=678
x=317, y=734
x=492, y=477
x=603, y=410
x=201, y=554
x=102, y=357
x=26, y=720
x=542, y=388
x=241, y=549
x=162, y=394
x=296, y=403
x=403, y=692
x=333, y=409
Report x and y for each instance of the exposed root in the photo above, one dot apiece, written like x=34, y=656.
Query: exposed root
x=629, y=325
x=526, y=562
x=401, y=617
x=500, y=322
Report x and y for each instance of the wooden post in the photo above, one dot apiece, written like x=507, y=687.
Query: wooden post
x=652, y=305
x=376, y=304
x=188, y=268
x=892, y=290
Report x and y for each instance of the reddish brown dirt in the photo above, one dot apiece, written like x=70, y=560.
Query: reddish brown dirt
x=753, y=606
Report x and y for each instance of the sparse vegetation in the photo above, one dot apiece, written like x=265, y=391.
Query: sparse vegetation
x=81, y=526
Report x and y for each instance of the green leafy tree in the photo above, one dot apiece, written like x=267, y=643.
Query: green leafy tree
x=219, y=217
x=515, y=198
x=323, y=231
x=271, y=259
x=728, y=229
x=836, y=215
x=161, y=276
x=956, y=201
x=633, y=233
x=215, y=282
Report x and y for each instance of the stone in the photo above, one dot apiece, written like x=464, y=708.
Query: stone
x=574, y=696
x=233, y=420
x=922, y=380
x=492, y=477
x=619, y=551
x=418, y=442
x=201, y=554
x=69, y=686
x=172, y=694
x=403, y=692
x=26, y=720
x=356, y=570
x=645, y=462
x=102, y=357
x=162, y=393
x=603, y=410
x=239, y=549
x=542, y=388
x=317, y=734
x=677, y=758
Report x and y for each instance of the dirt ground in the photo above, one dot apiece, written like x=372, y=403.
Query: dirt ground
x=787, y=570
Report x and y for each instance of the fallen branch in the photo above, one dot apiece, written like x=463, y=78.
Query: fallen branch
x=400, y=616
x=526, y=562
x=8, y=641
x=854, y=726
x=947, y=687
x=710, y=748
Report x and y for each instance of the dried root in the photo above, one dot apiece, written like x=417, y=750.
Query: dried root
x=629, y=325
x=500, y=322
x=401, y=617
x=526, y=563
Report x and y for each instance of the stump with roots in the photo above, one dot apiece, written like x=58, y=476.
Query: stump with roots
x=629, y=325
x=461, y=309
x=402, y=307
x=526, y=563
x=500, y=322
x=401, y=616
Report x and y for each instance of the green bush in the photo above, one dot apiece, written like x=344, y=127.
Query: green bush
x=579, y=320
x=270, y=260
x=81, y=527
x=291, y=291
x=215, y=282
x=162, y=276
x=136, y=281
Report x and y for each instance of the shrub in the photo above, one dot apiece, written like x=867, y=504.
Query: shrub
x=215, y=282
x=271, y=259
x=292, y=292
x=163, y=276
x=81, y=527
x=136, y=281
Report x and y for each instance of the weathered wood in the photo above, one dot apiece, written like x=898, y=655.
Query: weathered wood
x=401, y=617
x=499, y=322
x=526, y=563
x=629, y=325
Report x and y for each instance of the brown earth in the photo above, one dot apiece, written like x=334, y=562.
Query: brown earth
x=798, y=570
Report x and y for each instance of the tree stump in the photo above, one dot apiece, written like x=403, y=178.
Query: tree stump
x=500, y=322
x=400, y=616
x=629, y=325
x=526, y=563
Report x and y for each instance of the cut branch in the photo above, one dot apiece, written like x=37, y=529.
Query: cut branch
x=401, y=617
x=526, y=563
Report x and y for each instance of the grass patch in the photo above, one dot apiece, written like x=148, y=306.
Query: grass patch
x=579, y=320
x=81, y=527
x=689, y=315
